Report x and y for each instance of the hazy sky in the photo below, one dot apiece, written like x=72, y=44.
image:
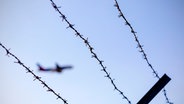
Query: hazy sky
x=35, y=33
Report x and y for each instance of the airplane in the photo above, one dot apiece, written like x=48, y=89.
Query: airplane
x=58, y=68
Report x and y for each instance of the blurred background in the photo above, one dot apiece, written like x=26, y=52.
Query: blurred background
x=34, y=32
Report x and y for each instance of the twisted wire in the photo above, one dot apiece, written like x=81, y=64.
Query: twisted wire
x=121, y=15
x=91, y=49
x=18, y=61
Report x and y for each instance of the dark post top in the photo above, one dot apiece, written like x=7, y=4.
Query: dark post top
x=154, y=90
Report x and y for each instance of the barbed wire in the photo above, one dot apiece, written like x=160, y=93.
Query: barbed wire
x=18, y=61
x=91, y=49
x=140, y=47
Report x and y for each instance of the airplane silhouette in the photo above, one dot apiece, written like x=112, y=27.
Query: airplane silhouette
x=58, y=68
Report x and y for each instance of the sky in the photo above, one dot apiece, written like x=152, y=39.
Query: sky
x=34, y=32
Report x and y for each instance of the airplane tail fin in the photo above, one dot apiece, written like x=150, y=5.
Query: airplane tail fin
x=40, y=67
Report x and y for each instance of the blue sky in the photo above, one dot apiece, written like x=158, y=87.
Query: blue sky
x=34, y=32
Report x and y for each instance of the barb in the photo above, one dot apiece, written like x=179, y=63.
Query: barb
x=141, y=50
x=91, y=49
x=18, y=61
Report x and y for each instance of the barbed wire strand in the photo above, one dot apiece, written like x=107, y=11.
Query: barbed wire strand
x=140, y=47
x=18, y=61
x=91, y=49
